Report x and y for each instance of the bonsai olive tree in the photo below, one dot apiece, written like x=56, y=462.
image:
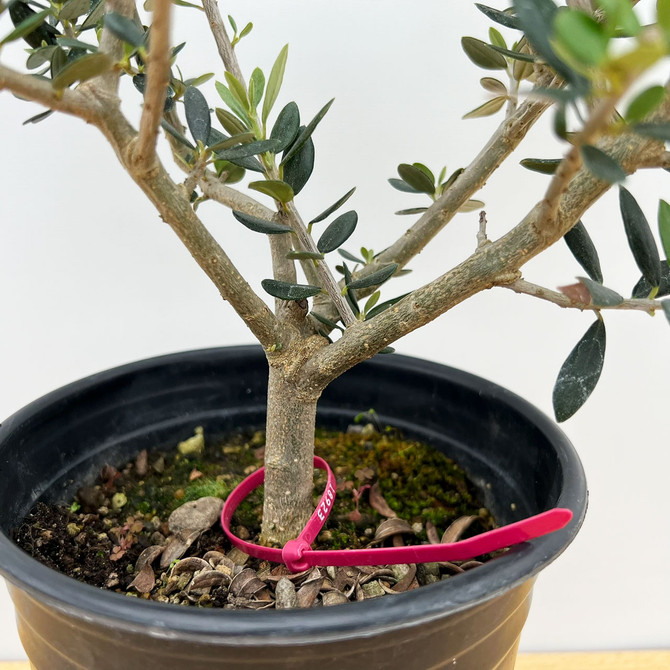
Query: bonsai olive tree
x=577, y=63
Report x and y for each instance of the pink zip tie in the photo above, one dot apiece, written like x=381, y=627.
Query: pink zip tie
x=298, y=555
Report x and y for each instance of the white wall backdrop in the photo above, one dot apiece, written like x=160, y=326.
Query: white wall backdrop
x=90, y=277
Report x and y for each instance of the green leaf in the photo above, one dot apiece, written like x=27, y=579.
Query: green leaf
x=234, y=173
x=496, y=38
x=256, y=86
x=666, y=308
x=306, y=133
x=250, y=149
x=581, y=36
x=664, y=225
x=86, y=67
x=198, y=81
x=304, y=256
x=326, y=322
x=32, y=23
x=515, y=55
x=124, y=28
x=274, y=82
x=580, y=372
x=233, y=25
x=41, y=56
x=416, y=178
x=640, y=238
x=334, y=207
x=601, y=165
x=411, y=210
x=371, y=302
x=536, y=18
x=216, y=143
x=230, y=122
x=58, y=61
x=471, y=206
x=285, y=291
x=580, y=244
x=38, y=117
x=171, y=130
x=72, y=43
x=234, y=104
x=504, y=19
x=286, y=127
x=482, y=54
x=489, y=108
x=197, y=114
x=643, y=289
x=400, y=185
x=541, y=165
x=350, y=257
x=261, y=225
x=620, y=15
x=94, y=16
x=238, y=91
x=276, y=189
x=246, y=30
x=374, y=279
x=663, y=14
x=601, y=296
x=644, y=103
x=452, y=178
x=338, y=232
x=657, y=131
x=298, y=169
x=387, y=350
x=350, y=295
x=560, y=122
x=384, y=306
x=73, y=9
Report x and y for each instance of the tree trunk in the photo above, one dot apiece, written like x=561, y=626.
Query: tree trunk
x=289, y=455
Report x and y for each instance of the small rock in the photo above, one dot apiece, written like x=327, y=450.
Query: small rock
x=142, y=463
x=330, y=598
x=199, y=515
x=119, y=500
x=193, y=446
x=73, y=529
x=90, y=498
x=428, y=573
x=285, y=595
x=372, y=589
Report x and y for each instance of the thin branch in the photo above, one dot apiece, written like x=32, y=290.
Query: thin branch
x=113, y=46
x=225, y=195
x=222, y=40
x=158, y=78
x=75, y=102
x=527, y=288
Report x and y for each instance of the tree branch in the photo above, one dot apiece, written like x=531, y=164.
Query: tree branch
x=562, y=300
x=113, y=46
x=223, y=43
x=158, y=78
x=225, y=195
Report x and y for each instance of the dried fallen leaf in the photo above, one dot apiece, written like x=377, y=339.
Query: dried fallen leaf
x=144, y=581
x=148, y=556
x=457, y=528
x=576, y=292
x=378, y=502
x=392, y=528
x=199, y=515
x=195, y=474
x=431, y=533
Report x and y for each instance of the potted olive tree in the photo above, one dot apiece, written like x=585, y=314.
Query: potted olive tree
x=564, y=63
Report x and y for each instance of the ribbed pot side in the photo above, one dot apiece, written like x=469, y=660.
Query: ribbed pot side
x=521, y=462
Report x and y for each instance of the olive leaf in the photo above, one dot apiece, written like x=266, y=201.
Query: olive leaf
x=261, y=225
x=304, y=256
x=489, y=108
x=504, y=19
x=601, y=296
x=197, y=114
x=541, y=165
x=275, y=188
x=256, y=86
x=350, y=295
x=124, y=28
x=516, y=55
x=400, y=185
x=411, y=210
x=664, y=225
x=417, y=178
x=643, y=289
x=338, y=232
x=375, y=278
x=601, y=165
x=73, y=9
x=482, y=54
x=580, y=244
x=581, y=36
x=644, y=103
x=666, y=308
x=230, y=122
x=350, y=257
x=326, y=322
x=640, y=238
x=286, y=127
x=306, y=132
x=657, y=131
x=471, y=206
x=234, y=104
x=171, y=130
x=250, y=149
x=238, y=91
x=82, y=69
x=30, y=25
x=334, y=207
x=286, y=291
x=218, y=142
x=274, y=82
x=382, y=307
x=580, y=373
x=298, y=170
x=493, y=85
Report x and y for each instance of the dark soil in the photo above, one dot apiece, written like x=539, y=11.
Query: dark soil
x=118, y=533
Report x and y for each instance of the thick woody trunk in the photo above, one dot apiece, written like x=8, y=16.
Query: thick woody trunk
x=289, y=455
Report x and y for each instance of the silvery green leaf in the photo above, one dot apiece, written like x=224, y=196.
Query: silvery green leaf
x=298, y=169
x=666, y=308
x=514, y=55
x=259, y=225
x=325, y=321
x=223, y=142
x=580, y=244
x=234, y=104
x=664, y=225
x=503, y=18
x=601, y=165
x=73, y=9
x=286, y=291
x=256, y=86
x=230, y=122
x=275, y=188
x=400, y=185
x=643, y=289
x=493, y=85
x=411, y=210
x=489, y=108
x=640, y=238
x=338, y=232
x=82, y=69
x=644, y=103
x=197, y=114
x=350, y=257
x=471, y=206
x=306, y=133
x=246, y=150
x=416, y=178
x=274, y=82
x=657, y=131
x=124, y=28
x=171, y=130
x=541, y=165
x=382, y=307
x=334, y=207
x=94, y=16
x=375, y=278
x=601, y=296
x=580, y=373
x=304, y=256
x=33, y=28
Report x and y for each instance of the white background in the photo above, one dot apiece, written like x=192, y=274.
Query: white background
x=90, y=277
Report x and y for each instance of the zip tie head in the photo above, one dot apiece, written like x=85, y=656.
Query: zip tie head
x=292, y=555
